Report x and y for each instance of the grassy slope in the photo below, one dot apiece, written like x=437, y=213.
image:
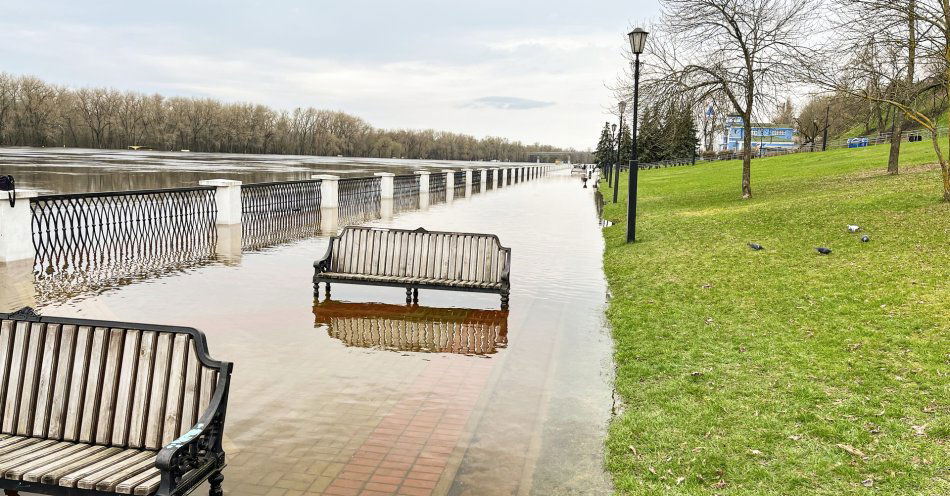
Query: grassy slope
x=742, y=372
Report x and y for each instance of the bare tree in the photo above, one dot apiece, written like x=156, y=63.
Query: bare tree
x=743, y=51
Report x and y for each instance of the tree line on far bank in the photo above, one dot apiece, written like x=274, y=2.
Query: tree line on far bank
x=36, y=113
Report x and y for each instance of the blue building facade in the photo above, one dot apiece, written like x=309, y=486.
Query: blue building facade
x=765, y=137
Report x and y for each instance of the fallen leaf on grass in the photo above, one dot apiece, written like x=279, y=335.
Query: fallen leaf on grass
x=794, y=437
x=852, y=450
x=721, y=484
x=679, y=480
x=920, y=430
x=867, y=483
x=756, y=452
x=652, y=470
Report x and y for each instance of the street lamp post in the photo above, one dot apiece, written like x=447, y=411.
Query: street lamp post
x=610, y=166
x=638, y=39
x=622, y=107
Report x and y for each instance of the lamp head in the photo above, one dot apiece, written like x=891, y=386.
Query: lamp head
x=638, y=40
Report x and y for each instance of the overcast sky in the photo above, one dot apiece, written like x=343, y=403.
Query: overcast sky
x=530, y=70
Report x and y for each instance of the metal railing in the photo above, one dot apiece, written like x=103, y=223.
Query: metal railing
x=406, y=192
x=437, y=187
x=476, y=182
x=94, y=240
x=359, y=199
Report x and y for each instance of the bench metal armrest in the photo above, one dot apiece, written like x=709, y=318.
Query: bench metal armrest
x=506, y=271
x=323, y=265
x=197, y=454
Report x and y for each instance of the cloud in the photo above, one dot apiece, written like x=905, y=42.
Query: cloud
x=507, y=103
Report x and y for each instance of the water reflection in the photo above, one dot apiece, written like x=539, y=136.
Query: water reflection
x=414, y=328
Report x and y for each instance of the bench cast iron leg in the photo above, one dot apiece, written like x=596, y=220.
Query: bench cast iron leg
x=216, y=480
x=415, y=295
x=504, y=301
x=327, y=298
x=408, y=296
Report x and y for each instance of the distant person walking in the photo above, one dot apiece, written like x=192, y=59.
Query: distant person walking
x=584, y=178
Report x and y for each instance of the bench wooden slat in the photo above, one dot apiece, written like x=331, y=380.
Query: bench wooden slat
x=6, y=354
x=31, y=369
x=85, y=454
x=49, y=472
x=61, y=392
x=176, y=382
x=110, y=384
x=44, y=388
x=143, y=386
x=76, y=473
x=107, y=473
x=77, y=383
x=128, y=471
x=148, y=480
x=156, y=408
x=126, y=390
x=189, y=408
x=15, y=377
x=18, y=463
x=97, y=353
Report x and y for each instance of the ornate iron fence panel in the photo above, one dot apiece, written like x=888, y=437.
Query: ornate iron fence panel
x=476, y=181
x=91, y=241
x=459, y=191
x=406, y=192
x=437, y=187
x=279, y=212
x=359, y=199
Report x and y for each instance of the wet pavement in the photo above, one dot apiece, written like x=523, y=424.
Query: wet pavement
x=363, y=395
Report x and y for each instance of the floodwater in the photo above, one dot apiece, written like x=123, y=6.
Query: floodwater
x=365, y=395
x=78, y=170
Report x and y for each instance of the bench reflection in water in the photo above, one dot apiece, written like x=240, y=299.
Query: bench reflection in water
x=414, y=328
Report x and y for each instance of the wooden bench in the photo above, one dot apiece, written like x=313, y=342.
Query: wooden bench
x=414, y=328
x=416, y=259
x=91, y=407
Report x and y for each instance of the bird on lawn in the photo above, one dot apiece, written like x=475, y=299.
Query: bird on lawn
x=823, y=250
x=756, y=246
x=852, y=228
x=865, y=239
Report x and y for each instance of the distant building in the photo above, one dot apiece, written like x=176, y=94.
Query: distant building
x=764, y=136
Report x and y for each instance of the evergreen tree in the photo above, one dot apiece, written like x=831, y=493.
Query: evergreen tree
x=605, y=153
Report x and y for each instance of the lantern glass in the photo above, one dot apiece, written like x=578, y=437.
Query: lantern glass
x=638, y=40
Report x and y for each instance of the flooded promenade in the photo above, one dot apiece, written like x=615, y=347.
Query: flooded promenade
x=364, y=395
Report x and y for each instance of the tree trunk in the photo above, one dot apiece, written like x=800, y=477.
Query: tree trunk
x=747, y=158
x=893, y=161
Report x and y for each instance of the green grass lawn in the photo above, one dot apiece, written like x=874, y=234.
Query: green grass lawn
x=783, y=371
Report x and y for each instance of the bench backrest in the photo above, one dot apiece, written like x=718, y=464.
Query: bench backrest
x=420, y=253
x=106, y=383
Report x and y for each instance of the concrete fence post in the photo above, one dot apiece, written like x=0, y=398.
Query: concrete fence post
x=496, y=177
x=449, y=185
x=468, y=182
x=484, y=179
x=423, y=189
x=386, y=184
x=227, y=199
x=16, y=227
x=329, y=202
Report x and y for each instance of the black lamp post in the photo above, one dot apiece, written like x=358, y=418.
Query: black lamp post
x=638, y=40
x=622, y=107
x=609, y=167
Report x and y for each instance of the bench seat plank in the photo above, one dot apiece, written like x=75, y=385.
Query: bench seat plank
x=411, y=280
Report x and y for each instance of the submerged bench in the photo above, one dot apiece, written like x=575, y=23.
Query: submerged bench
x=416, y=259
x=91, y=407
